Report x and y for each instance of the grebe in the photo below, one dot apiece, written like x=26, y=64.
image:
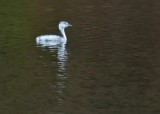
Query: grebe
x=54, y=39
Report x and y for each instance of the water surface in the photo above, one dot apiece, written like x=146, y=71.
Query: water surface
x=110, y=64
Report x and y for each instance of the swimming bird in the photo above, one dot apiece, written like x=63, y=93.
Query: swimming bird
x=54, y=39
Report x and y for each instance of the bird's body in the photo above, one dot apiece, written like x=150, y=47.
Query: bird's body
x=54, y=39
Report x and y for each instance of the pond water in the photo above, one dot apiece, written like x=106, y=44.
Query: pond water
x=110, y=64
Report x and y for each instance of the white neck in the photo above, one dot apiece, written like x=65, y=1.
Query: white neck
x=64, y=35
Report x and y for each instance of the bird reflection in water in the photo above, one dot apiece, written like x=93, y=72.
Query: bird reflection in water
x=61, y=72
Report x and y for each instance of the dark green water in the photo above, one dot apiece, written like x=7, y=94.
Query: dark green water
x=110, y=64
